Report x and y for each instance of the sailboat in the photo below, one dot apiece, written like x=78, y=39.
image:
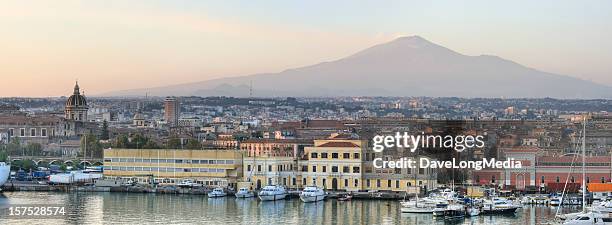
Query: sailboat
x=584, y=217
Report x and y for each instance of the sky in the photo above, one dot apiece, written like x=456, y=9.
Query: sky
x=112, y=45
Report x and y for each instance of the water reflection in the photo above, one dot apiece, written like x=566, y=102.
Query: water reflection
x=136, y=208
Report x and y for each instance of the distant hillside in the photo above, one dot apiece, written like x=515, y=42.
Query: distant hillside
x=407, y=66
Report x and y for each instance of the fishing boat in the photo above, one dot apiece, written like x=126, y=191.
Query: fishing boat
x=244, y=193
x=454, y=212
x=346, y=197
x=217, y=192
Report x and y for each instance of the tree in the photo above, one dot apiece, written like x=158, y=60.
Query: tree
x=173, y=143
x=193, y=144
x=138, y=141
x=122, y=142
x=33, y=149
x=150, y=145
x=3, y=155
x=90, y=146
x=104, y=135
x=14, y=148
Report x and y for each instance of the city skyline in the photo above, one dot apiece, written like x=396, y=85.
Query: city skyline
x=116, y=45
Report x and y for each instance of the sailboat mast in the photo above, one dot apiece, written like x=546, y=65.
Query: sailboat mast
x=583, y=164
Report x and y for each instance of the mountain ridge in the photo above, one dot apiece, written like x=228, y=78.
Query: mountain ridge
x=406, y=66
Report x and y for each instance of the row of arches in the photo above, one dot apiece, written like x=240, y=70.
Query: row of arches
x=66, y=162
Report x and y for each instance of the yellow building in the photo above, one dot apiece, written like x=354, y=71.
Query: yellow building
x=334, y=164
x=169, y=166
x=347, y=164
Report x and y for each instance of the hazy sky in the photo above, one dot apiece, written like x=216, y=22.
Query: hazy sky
x=115, y=45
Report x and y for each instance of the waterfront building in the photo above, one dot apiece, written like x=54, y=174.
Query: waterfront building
x=335, y=164
x=170, y=166
x=273, y=161
x=545, y=172
x=342, y=162
x=172, y=111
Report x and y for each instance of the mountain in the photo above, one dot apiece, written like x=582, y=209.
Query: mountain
x=407, y=66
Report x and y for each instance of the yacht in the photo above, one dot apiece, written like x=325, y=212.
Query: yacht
x=217, y=192
x=272, y=193
x=187, y=183
x=591, y=218
x=5, y=171
x=498, y=206
x=454, y=212
x=244, y=193
x=312, y=194
x=423, y=205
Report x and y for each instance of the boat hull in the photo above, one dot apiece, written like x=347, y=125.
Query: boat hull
x=245, y=195
x=5, y=171
x=272, y=197
x=216, y=195
x=499, y=211
x=416, y=210
x=312, y=198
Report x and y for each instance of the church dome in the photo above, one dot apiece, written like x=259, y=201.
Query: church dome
x=76, y=100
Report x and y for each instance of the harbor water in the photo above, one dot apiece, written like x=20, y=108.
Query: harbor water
x=141, y=208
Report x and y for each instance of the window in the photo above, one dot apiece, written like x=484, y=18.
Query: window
x=421, y=170
x=345, y=169
x=542, y=180
x=355, y=169
x=324, y=169
x=269, y=168
x=294, y=181
x=11, y=132
x=334, y=155
x=346, y=155
x=304, y=181
x=346, y=182
x=397, y=184
x=32, y=132
x=304, y=169
x=378, y=183
x=324, y=155
x=368, y=183
x=22, y=132
x=356, y=155
x=43, y=132
x=557, y=180
x=388, y=183
x=314, y=181
x=356, y=182
x=588, y=180
x=572, y=179
x=334, y=169
x=313, y=155
x=258, y=168
x=248, y=167
x=314, y=169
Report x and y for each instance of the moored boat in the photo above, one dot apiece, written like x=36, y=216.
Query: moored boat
x=217, y=192
x=244, y=193
x=312, y=194
x=272, y=193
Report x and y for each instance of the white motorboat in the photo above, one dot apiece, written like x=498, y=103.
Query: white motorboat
x=272, y=193
x=244, y=193
x=187, y=183
x=473, y=211
x=423, y=205
x=555, y=201
x=498, y=206
x=312, y=194
x=217, y=192
x=591, y=218
x=5, y=171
